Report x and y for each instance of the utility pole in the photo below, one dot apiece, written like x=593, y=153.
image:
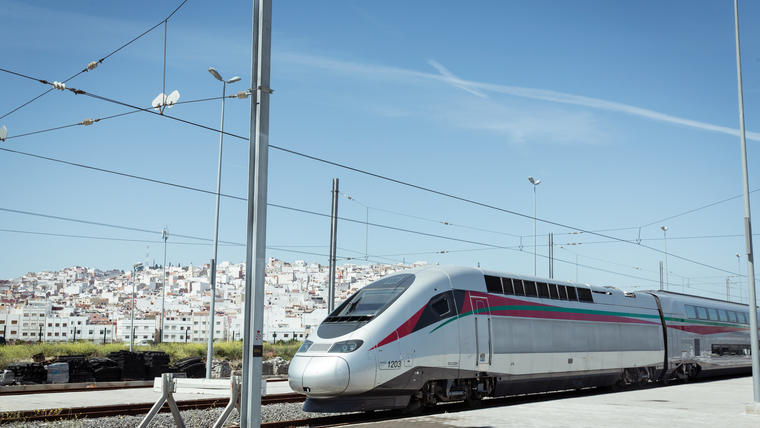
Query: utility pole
x=211, y=313
x=661, y=276
x=164, y=236
x=728, y=289
x=137, y=267
x=551, y=255
x=333, y=243
x=253, y=341
x=755, y=349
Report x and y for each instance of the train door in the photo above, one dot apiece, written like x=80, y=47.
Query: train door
x=482, y=316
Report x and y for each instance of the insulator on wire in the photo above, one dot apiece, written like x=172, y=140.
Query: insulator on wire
x=59, y=85
x=243, y=94
x=87, y=122
x=92, y=65
x=3, y=133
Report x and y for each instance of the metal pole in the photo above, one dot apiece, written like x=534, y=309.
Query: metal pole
x=755, y=349
x=665, y=235
x=132, y=316
x=551, y=255
x=366, y=234
x=728, y=290
x=333, y=243
x=165, y=236
x=253, y=343
x=210, y=345
x=534, y=230
x=660, y=275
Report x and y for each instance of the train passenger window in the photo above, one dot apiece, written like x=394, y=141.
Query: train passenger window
x=441, y=306
x=506, y=284
x=722, y=315
x=571, y=294
x=691, y=312
x=713, y=314
x=543, y=290
x=742, y=316
x=519, y=288
x=732, y=316
x=553, y=293
x=701, y=313
x=493, y=284
x=530, y=288
x=562, y=290
x=584, y=295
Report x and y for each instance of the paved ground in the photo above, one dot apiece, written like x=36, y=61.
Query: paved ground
x=56, y=400
x=717, y=404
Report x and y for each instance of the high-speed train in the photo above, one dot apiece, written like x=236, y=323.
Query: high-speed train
x=438, y=334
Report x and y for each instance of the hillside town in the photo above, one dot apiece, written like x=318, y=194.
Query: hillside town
x=80, y=303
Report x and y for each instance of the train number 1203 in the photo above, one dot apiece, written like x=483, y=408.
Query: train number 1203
x=390, y=365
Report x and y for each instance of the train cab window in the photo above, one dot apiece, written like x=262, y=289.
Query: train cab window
x=519, y=287
x=722, y=315
x=530, y=288
x=584, y=295
x=562, y=292
x=713, y=314
x=493, y=284
x=742, y=317
x=691, y=312
x=441, y=306
x=543, y=290
x=553, y=293
x=506, y=284
x=732, y=316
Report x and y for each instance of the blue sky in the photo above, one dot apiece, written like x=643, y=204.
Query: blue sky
x=627, y=112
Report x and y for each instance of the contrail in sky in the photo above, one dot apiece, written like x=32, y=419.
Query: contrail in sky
x=481, y=88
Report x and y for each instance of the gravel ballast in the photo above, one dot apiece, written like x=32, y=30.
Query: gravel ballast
x=192, y=418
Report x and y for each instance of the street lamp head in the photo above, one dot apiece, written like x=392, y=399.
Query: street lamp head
x=234, y=79
x=664, y=228
x=737, y=255
x=215, y=74
x=534, y=181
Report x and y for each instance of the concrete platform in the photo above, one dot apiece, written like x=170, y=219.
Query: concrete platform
x=707, y=404
x=56, y=400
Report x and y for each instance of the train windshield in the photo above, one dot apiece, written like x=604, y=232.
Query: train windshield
x=371, y=300
x=364, y=305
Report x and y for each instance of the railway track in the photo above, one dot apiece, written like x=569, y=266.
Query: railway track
x=131, y=409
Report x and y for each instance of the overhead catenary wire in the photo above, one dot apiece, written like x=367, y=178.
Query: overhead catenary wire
x=88, y=122
x=93, y=64
x=390, y=179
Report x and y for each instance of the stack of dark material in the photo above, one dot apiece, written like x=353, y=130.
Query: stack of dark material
x=191, y=366
x=79, y=368
x=131, y=364
x=28, y=373
x=105, y=370
x=156, y=362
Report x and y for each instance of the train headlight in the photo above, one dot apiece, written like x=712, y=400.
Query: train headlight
x=305, y=346
x=346, y=346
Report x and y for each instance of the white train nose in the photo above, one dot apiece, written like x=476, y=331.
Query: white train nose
x=318, y=376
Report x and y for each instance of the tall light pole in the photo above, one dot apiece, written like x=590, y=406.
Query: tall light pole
x=665, y=235
x=738, y=263
x=210, y=349
x=535, y=183
x=138, y=267
x=164, y=236
x=754, y=345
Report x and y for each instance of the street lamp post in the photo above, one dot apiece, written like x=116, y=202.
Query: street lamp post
x=164, y=236
x=535, y=183
x=210, y=350
x=665, y=235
